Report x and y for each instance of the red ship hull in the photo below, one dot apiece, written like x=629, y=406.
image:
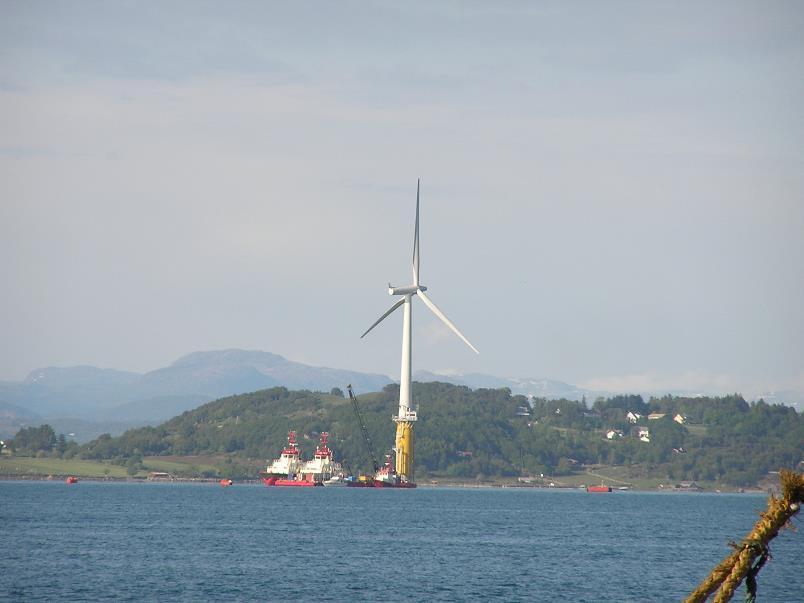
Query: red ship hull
x=598, y=489
x=375, y=483
x=299, y=483
x=280, y=481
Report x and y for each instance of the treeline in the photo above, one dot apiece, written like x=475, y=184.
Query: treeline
x=721, y=439
x=487, y=432
x=42, y=441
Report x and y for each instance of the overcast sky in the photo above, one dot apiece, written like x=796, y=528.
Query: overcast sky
x=612, y=193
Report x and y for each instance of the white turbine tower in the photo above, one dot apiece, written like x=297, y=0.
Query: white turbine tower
x=407, y=416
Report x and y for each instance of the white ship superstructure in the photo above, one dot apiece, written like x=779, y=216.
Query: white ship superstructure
x=288, y=464
x=321, y=467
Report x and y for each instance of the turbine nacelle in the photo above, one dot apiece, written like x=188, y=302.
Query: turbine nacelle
x=411, y=290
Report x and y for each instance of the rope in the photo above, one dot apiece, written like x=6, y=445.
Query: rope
x=751, y=578
x=752, y=552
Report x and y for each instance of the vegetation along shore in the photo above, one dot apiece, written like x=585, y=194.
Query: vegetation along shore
x=465, y=437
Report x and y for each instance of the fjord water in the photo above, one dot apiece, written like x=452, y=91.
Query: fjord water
x=197, y=542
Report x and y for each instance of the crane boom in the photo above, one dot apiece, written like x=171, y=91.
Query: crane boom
x=363, y=429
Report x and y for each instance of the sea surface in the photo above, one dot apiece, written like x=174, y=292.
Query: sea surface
x=98, y=541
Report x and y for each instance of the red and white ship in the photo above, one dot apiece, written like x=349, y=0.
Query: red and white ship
x=290, y=470
x=321, y=468
x=286, y=466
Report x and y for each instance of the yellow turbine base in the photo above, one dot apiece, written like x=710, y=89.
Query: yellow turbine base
x=404, y=449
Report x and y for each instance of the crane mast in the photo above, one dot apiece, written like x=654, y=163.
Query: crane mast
x=363, y=429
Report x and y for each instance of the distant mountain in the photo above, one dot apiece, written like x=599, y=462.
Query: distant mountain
x=79, y=389
x=94, y=394
x=790, y=397
x=13, y=418
x=538, y=388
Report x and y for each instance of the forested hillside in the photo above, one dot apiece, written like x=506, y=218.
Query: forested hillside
x=466, y=433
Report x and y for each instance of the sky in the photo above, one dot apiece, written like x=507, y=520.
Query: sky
x=612, y=194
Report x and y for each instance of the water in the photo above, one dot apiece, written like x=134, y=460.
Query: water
x=197, y=542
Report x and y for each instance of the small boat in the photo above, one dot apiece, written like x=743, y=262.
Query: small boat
x=71, y=480
x=600, y=488
x=226, y=483
x=336, y=480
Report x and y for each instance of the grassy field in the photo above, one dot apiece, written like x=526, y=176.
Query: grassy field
x=24, y=466
x=181, y=465
x=178, y=466
x=699, y=430
x=633, y=478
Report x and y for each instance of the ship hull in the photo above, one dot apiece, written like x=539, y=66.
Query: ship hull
x=382, y=484
x=359, y=484
x=376, y=483
x=298, y=483
x=599, y=489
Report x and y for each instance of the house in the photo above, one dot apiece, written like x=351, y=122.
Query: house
x=687, y=486
x=656, y=415
x=643, y=434
x=614, y=434
x=680, y=419
x=633, y=417
x=523, y=411
x=465, y=454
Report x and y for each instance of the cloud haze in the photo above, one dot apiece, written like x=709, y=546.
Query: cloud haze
x=605, y=192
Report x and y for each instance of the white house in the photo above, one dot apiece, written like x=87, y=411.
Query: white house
x=656, y=415
x=680, y=419
x=632, y=416
x=614, y=434
x=643, y=434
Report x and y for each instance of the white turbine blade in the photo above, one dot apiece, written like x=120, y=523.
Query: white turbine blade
x=416, y=241
x=381, y=318
x=444, y=319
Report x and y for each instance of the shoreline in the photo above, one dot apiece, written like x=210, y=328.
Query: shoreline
x=461, y=485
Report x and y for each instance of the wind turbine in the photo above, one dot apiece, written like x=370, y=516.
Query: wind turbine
x=407, y=417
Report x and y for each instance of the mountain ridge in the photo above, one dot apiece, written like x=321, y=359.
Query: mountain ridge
x=90, y=393
x=117, y=398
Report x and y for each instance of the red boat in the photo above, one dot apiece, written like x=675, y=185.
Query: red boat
x=71, y=480
x=226, y=482
x=598, y=488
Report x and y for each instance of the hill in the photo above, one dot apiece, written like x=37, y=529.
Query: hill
x=490, y=432
x=105, y=395
x=12, y=418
